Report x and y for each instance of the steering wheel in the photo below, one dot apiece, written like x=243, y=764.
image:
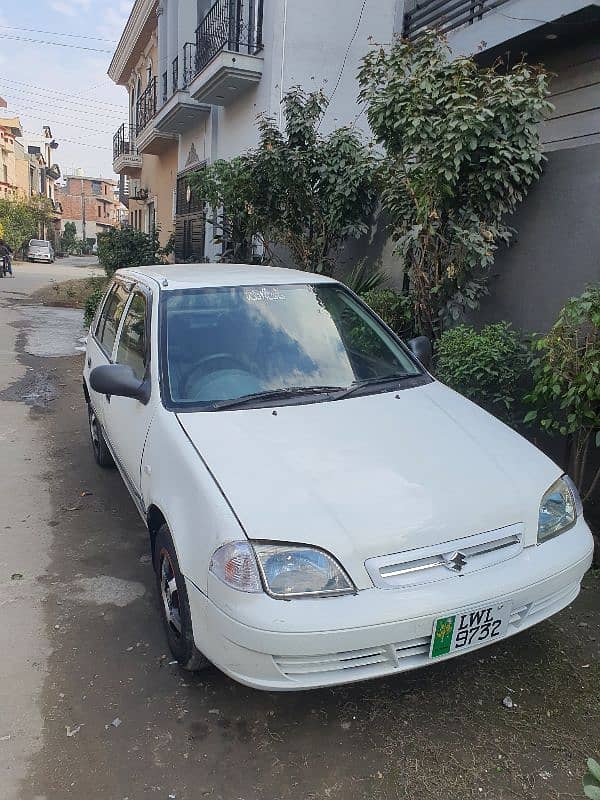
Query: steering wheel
x=201, y=367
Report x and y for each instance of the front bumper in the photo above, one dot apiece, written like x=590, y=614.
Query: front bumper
x=278, y=645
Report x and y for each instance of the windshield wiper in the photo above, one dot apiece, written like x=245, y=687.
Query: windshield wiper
x=272, y=394
x=357, y=385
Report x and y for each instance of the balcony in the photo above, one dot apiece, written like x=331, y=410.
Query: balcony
x=483, y=27
x=445, y=15
x=224, y=60
x=126, y=158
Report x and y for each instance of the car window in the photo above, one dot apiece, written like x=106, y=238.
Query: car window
x=108, y=324
x=131, y=349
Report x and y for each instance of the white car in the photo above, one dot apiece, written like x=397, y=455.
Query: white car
x=40, y=250
x=320, y=509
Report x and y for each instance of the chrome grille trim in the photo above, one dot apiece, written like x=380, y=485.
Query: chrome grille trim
x=445, y=560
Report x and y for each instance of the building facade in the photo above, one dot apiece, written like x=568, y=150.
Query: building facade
x=92, y=204
x=198, y=73
x=10, y=129
x=27, y=167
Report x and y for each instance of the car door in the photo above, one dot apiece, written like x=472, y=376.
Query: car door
x=102, y=337
x=126, y=420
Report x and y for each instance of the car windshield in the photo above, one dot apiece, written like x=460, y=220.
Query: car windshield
x=222, y=344
x=38, y=243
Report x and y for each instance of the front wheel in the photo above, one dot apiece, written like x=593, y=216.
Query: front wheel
x=100, y=449
x=174, y=603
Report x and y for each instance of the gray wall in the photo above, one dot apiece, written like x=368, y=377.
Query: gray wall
x=557, y=249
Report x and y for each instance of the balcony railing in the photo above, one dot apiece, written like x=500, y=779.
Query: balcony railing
x=145, y=108
x=445, y=15
x=189, y=63
x=229, y=25
x=175, y=75
x=123, y=141
x=165, y=87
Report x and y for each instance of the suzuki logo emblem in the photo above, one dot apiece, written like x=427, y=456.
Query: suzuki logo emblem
x=456, y=561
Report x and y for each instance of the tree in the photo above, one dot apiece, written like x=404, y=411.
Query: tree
x=461, y=150
x=127, y=247
x=565, y=397
x=298, y=189
x=22, y=220
x=68, y=240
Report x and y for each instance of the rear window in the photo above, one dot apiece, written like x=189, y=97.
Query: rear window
x=38, y=243
x=108, y=324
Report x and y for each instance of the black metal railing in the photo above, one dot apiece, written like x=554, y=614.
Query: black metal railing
x=145, y=108
x=124, y=141
x=165, y=86
x=444, y=15
x=229, y=25
x=189, y=63
x=175, y=75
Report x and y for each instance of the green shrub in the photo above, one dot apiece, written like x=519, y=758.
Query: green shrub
x=566, y=383
x=395, y=310
x=591, y=780
x=486, y=366
x=93, y=300
x=119, y=248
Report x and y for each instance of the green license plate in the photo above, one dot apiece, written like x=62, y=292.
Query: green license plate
x=469, y=629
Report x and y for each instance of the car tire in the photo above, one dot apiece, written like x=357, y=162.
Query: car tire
x=174, y=604
x=100, y=449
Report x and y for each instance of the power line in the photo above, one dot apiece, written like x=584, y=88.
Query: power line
x=72, y=141
x=87, y=111
x=58, y=33
x=45, y=119
x=53, y=44
x=49, y=90
x=347, y=53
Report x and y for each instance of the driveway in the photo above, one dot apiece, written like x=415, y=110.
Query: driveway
x=93, y=707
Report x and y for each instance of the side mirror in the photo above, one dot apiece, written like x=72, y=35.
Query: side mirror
x=420, y=347
x=119, y=379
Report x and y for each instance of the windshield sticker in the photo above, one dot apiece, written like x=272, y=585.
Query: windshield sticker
x=263, y=294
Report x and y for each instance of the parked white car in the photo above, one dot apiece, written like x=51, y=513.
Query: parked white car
x=320, y=509
x=40, y=250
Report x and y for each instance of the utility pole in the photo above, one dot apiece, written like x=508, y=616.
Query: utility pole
x=83, y=215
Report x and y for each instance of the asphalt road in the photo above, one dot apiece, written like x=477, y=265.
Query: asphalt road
x=92, y=707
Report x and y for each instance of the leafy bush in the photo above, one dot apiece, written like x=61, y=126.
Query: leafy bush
x=591, y=780
x=119, y=248
x=462, y=148
x=364, y=277
x=566, y=383
x=298, y=189
x=486, y=365
x=395, y=310
x=93, y=300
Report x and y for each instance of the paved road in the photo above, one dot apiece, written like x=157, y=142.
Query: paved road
x=92, y=707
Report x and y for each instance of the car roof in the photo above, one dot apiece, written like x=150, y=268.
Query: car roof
x=192, y=276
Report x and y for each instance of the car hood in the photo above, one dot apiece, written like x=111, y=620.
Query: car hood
x=372, y=475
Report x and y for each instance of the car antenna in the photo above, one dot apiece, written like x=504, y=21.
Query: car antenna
x=165, y=282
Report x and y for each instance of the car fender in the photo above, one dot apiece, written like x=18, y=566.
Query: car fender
x=175, y=479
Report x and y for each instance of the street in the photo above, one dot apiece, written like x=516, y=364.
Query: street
x=93, y=705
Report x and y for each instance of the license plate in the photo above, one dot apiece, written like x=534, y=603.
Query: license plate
x=469, y=629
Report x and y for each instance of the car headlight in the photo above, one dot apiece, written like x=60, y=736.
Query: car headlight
x=284, y=570
x=290, y=570
x=235, y=564
x=559, y=509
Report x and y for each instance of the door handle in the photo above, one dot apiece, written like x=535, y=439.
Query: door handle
x=89, y=362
